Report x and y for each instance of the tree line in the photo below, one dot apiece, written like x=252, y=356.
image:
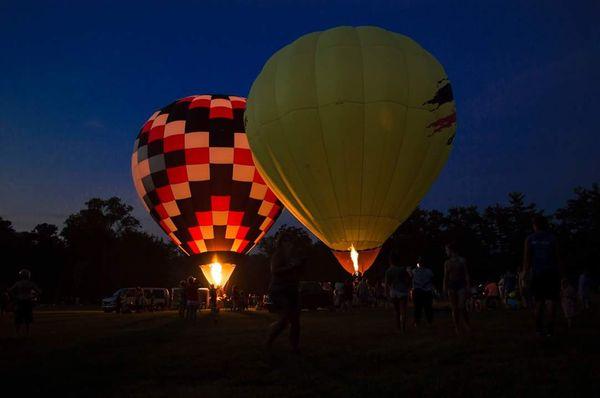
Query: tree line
x=102, y=247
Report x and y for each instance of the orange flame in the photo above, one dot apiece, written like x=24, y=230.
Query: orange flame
x=354, y=257
x=217, y=274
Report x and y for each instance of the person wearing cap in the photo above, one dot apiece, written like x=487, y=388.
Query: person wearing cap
x=422, y=280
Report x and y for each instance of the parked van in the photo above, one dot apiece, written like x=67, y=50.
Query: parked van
x=121, y=299
x=124, y=300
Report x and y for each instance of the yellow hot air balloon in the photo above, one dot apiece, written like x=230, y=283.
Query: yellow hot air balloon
x=350, y=127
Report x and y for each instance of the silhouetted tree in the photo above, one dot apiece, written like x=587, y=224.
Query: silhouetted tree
x=101, y=247
x=300, y=238
x=578, y=224
x=321, y=264
x=93, y=237
x=505, y=230
x=9, y=242
x=46, y=258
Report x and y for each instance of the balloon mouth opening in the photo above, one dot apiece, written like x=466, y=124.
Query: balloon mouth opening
x=356, y=262
x=217, y=273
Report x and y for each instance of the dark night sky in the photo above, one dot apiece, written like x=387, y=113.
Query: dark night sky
x=77, y=80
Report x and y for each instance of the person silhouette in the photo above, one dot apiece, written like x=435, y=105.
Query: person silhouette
x=23, y=292
x=283, y=290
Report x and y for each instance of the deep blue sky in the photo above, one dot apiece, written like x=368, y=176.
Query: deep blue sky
x=77, y=80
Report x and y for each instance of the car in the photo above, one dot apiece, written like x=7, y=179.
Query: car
x=125, y=299
x=122, y=298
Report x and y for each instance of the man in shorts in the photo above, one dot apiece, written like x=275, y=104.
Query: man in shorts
x=192, y=299
x=422, y=283
x=397, y=282
x=456, y=286
x=23, y=293
x=214, y=309
x=286, y=268
x=541, y=262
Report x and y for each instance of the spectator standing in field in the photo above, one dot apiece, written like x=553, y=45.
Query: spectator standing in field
x=192, y=297
x=356, y=278
x=286, y=267
x=511, y=301
x=510, y=282
x=525, y=289
x=182, y=300
x=235, y=299
x=118, y=303
x=372, y=293
x=348, y=295
x=214, y=309
x=127, y=305
x=397, y=282
x=151, y=304
x=509, y=285
x=139, y=299
x=23, y=293
x=492, y=295
x=541, y=260
x=568, y=300
x=363, y=292
x=584, y=290
x=338, y=295
x=456, y=286
x=243, y=300
x=422, y=283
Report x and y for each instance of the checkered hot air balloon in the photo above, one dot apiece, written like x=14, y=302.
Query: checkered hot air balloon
x=193, y=169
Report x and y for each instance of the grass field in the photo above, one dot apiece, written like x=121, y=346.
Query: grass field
x=89, y=353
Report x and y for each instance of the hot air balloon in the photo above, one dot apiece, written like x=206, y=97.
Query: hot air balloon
x=350, y=127
x=193, y=169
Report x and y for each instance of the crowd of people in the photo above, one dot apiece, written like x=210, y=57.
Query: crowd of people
x=539, y=285
x=190, y=299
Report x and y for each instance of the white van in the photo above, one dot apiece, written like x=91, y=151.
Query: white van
x=124, y=300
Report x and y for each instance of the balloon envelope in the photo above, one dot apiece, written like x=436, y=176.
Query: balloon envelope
x=193, y=169
x=350, y=127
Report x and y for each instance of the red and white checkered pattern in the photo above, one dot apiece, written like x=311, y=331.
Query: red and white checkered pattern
x=193, y=169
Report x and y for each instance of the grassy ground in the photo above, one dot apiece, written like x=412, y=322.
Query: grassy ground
x=89, y=353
